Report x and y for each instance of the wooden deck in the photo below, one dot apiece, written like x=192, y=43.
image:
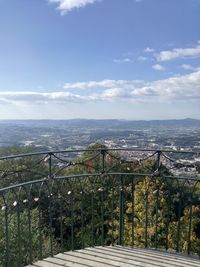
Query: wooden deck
x=117, y=256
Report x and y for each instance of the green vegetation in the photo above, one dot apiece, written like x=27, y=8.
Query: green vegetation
x=71, y=212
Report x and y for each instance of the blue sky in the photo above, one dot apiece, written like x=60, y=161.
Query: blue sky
x=125, y=59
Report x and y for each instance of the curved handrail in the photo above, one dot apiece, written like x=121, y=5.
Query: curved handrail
x=105, y=198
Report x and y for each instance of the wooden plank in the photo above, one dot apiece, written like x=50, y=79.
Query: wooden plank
x=116, y=257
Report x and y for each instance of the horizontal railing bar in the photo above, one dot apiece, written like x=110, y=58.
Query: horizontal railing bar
x=96, y=150
x=94, y=175
x=22, y=184
x=129, y=174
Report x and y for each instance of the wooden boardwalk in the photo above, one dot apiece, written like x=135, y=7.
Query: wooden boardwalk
x=117, y=256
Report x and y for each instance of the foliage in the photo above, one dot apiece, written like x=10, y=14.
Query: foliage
x=72, y=211
x=23, y=238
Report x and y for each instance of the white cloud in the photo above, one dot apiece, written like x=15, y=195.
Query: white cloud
x=37, y=97
x=175, y=53
x=102, y=84
x=142, y=58
x=149, y=50
x=179, y=88
x=187, y=67
x=158, y=67
x=67, y=5
x=123, y=60
x=183, y=87
x=113, y=93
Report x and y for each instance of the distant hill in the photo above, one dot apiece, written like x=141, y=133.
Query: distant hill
x=85, y=123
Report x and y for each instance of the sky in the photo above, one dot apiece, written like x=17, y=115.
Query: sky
x=99, y=59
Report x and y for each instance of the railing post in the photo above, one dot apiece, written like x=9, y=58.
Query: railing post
x=50, y=165
x=158, y=160
x=17, y=204
x=121, y=212
x=6, y=227
x=133, y=209
x=190, y=226
x=29, y=228
x=40, y=221
x=168, y=199
x=72, y=218
x=101, y=190
x=92, y=215
x=179, y=221
x=51, y=221
x=112, y=215
x=82, y=221
x=7, y=237
x=103, y=152
x=61, y=222
x=156, y=223
x=50, y=205
x=146, y=217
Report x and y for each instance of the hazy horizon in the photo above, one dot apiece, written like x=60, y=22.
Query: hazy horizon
x=107, y=119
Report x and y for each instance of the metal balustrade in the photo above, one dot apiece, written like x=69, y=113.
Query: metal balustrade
x=57, y=201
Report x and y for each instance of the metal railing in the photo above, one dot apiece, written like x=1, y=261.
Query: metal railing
x=52, y=202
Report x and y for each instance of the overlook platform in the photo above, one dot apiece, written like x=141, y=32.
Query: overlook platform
x=117, y=256
x=66, y=208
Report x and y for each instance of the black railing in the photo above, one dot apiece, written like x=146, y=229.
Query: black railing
x=57, y=201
